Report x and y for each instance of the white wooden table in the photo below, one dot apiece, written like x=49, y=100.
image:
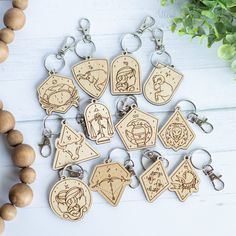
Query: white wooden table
x=208, y=82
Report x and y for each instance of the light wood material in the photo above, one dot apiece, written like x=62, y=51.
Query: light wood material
x=58, y=94
x=184, y=180
x=8, y=212
x=23, y=155
x=21, y=195
x=1, y=105
x=161, y=84
x=7, y=35
x=21, y=4
x=4, y=51
x=14, y=19
x=27, y=175
x=110, y=180
x=154, y=181
x=138, y=129
x=92, y=76
x=72, y=148
x=2, y=225
x=7, y=121
x=125, y=75
x=176, y=133
x=70, y=199
x=98, y=122
x=14, y=138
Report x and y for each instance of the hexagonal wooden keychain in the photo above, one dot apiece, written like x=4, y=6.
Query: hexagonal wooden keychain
x=70, y=198
x=164, y=80
x=137, y=129
x=97, y=122
x=58, y=93
x=92, y=75
x=154, y=180
x=125, y=69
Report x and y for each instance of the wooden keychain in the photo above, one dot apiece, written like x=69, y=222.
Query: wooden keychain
x=136, y=128
x=70, y=198
x=154, y=180
x=96, y=121
x=177, y=133
x=164, y=80
x=111, y=178
x=58, y=93
x=184, y=180
x=125, y=69
x=91, y=74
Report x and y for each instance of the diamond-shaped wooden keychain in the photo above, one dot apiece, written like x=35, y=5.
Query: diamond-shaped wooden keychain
x=154, y=179
x=92, y=75
x=71, y=147
x=58, y=93
x=137, y=129
x=184, y=180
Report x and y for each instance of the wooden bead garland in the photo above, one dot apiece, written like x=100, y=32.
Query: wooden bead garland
x=14, y=19
x=23, y=155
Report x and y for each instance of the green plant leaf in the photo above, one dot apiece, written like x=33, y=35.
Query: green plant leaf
x=226, y=52
x=233, y=65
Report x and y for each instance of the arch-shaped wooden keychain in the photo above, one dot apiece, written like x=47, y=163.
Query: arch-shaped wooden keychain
x=58, y=93
x=92, y=74
x=125, y=69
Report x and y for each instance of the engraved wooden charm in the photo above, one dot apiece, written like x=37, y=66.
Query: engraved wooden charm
x=70, y=199
x=184, y=180
x=110, y=180
x=176, y=133
x=92, y=76
x=57, y=94
x=98, y=122
x=125, y=75
x=154, y=181
x=72, y=148
x=162, y=84
x=137, y=129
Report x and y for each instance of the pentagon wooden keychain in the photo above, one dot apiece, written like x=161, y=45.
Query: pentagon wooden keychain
x=125, y=69
x=110, y=179
x=154, y=180
x=91, y=74
x=137, y=129
x=97, y=122
x=58, y=93
x=184, y=180
x=70, y=198
x=72, y=148
x=164, y=80
x=176, y=133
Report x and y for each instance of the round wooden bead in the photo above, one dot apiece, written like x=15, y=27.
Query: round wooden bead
x=23, y=155
x=21, y=4
x=21, y=195
x=8, y=212
x=14, y=18
x=7, y=35
x=7, y=121
x=1, y=105
x=14, y=138
x=2, y=225
x=4, y=51
x=27, y=175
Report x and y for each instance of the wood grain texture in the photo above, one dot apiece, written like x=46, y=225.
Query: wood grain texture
x=207, y=81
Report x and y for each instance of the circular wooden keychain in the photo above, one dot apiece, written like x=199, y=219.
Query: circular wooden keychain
x=23, y=155
x=14, y=19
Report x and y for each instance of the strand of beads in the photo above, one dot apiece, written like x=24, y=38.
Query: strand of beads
x=23, y=155
x=14, y=19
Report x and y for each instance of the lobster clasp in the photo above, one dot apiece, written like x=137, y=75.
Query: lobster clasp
x=84, y=27
x=68, y=45
x=205, y=126
x=45, y=144
x=218, y=184
x=147, y=23
x=129, y=165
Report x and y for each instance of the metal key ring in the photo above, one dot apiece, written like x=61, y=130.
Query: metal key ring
x=109, y=159
x=46, y=129
x=91, y=51
x=206, y=163
x=56, y=68
x=134, y=35
x=124, y=104
x=188, y=101
x=73, y=173
x=158, y=53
